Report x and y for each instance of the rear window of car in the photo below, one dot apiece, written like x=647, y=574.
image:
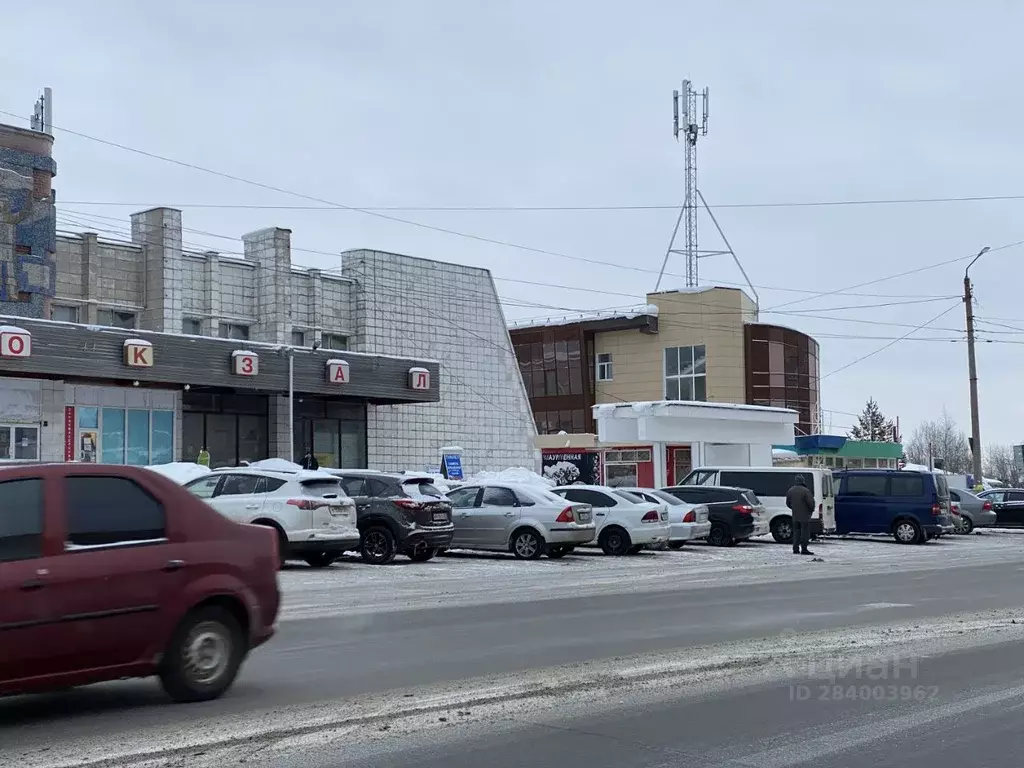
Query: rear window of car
x=322, y=488
x=941, y=486
x=751, y=498
x=668, y=498
x=632, y=498
x=421, y=489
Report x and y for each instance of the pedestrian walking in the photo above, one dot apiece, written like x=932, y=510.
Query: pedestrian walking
x=801, y=501
x=309, y=461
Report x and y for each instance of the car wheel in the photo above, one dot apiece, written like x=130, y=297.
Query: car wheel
x=908, y=532
x=421, y=553
x=782, y=530
x=527, y=544
x=556, y=553
x=377, y=546
x=720, y=535
x=676, y=544
x=615, y=541
x=203, y=656
x=968, y=525
x=321, y=559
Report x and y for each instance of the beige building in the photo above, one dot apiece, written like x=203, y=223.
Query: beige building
x=697, y=353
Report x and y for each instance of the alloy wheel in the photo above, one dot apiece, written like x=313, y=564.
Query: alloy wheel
x=376, y=544
x=526, y=545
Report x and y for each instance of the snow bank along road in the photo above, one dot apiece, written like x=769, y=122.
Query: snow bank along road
x=336, y=658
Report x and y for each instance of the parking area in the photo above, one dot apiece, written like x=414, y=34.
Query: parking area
x=461, y=578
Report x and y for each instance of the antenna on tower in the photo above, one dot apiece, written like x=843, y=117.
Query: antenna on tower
x=42, y=117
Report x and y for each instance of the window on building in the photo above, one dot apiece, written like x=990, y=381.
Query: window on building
x=334, y=341
x=604, y=366
x=19, y=442
x=64, y=313
x=233, y=331
x=115, y=318
x=192, y=327
x=298, y=338
x=118, y=436
x=686, y=373
x=21, y=520
x=111, y=510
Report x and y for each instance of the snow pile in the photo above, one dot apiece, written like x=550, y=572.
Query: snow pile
x=180, y=472
x=440, y=482
x=276, y=465
x=519, y=475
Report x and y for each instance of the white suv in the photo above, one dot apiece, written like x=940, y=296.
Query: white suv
x=314, y=518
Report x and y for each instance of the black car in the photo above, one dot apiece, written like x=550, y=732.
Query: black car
x=404, y=514
x=732, y=511
x=1008, y=504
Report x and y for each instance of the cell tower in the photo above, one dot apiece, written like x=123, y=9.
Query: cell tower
x=692, y=123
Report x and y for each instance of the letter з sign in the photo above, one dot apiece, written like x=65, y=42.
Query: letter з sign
x=15, y=342
x=419, y=379
x=245, y=363
x=138, y=353
x=337, y=372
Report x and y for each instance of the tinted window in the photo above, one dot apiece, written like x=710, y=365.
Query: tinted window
x=908, y=485
x=941, y=487
x=322, y=488
x=668, y=498
x=1015, y=496
x=21, y=520
x=382, y=489
x=953, y=495
x=690, y=495
x=498, y=497
x=629, y=498
x=585, y=496
x=111, y=510
x=204, y=487
x=417, y=489
x=235, y=485
x=699, y=477
x=524, y=498
x=354, y=486
x=766, y=483
x=269, y=484
x=718, y=495
x=865, y=485
x=463, y=498
x=751, y=498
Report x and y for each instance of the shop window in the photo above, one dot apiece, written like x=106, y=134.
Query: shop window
x=233, y=331
x=621, y=475
x=63, y=313
x=138, y=437
x=192, y=327
x=604, y=366
x=334, y=341
x=686, y=373
x=298, y=338
x=19, y=442
x=115, y=318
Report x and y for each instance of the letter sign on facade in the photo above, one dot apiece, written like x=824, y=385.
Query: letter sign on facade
x=15, y=342
x=138, y=353
x=419, y=378
x=245, y=363
x=337, y=372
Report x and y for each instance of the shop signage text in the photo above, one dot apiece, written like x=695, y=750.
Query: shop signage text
x=69, y=433
x=419, y=378
x=15, y=342
x=245, y=363
x=337, y=372
x=138, y=353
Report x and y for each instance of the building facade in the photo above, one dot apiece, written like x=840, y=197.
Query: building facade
x=427, y=339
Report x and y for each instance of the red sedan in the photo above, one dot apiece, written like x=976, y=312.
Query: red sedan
x=109, y=572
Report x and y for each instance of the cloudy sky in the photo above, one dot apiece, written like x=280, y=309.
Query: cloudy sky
x=565, y=103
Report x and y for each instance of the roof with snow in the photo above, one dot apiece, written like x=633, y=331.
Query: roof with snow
x=643, y=317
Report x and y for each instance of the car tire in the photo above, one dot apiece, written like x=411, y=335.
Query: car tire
x=527, y=544
x=720, y=535
x=421, y=553
x=558, y=552
x=377, y=545
x=321, y=559
x=782, y=530
x=615, y=541
x=908, y=532
x=676, y=544
x=203, y=657
x=635, y=550
x=968, y=525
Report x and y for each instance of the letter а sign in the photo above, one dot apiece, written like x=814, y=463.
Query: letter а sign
x=337, y=372
x=15, y=343
x=419, y=378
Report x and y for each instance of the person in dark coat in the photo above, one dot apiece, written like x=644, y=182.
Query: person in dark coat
x=309, y=461
x=801, y=501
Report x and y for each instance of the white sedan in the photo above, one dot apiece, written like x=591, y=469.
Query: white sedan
x=689, y=521
x=625, y=523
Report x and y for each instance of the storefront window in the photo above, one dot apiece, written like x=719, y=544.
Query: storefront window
x=326, y=441
x=19, y=443
x=335, y=432
x=113, y=436
x=138, y=438
x=163, y=437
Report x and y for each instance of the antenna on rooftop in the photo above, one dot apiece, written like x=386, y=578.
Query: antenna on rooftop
x=42, y=117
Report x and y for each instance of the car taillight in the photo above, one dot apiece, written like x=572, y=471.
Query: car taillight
x=650, y=517
x=936, y=510
x=744, y=509
x=409, y=504
x=308, y=504
x=565, y=516
x=690, y=517
x=986, y=507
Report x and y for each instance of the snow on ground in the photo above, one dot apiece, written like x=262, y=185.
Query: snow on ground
x=459, y=577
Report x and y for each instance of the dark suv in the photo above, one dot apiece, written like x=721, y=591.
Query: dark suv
x=398, y=513
x=734, y=512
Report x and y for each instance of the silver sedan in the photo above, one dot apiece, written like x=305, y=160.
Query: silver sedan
x=975, y=511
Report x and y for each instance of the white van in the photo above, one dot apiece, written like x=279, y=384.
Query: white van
x=771, y=484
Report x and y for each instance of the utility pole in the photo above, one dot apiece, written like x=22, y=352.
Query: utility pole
x=972, y=368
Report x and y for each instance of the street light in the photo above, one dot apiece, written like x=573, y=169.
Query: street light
x=972, y=368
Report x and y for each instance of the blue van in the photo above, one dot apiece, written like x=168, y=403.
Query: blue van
x=909, y=505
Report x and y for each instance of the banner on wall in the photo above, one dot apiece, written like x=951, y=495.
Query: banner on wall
x=69, y=433
x=573, y=467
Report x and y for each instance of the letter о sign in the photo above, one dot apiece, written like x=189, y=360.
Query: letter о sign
x=15, y=342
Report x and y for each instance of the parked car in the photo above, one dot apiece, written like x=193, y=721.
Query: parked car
x=975, y=512
x=1008, y=504
x=109, y=572
x=735, y=514
x=521, y=519
x=958, y=520
x=625, y=523
x=313, y=518
x=404, y=514
x=911, y=506
x=689, y=522
x=770, y=485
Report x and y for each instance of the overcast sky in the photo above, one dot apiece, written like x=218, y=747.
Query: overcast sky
x=558, y=103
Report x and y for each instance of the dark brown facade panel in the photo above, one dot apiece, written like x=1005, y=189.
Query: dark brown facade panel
x=782, y=371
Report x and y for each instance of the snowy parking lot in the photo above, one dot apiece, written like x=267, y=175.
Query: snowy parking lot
x=461, y=578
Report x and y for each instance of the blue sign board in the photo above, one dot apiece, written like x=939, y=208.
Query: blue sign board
x=452, y=466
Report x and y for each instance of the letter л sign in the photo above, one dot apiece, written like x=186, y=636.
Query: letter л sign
x=419, y=378
x=15, y=342
x=337, y=372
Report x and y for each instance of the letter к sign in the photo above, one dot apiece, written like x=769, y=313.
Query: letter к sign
x=138, y=353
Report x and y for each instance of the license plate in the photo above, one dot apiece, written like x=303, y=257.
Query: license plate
x=664, y=515
x=702, y=517
x=338, y=511
x=584, y=517
x=440, y=517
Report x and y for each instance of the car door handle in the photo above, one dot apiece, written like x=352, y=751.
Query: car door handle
x=464, y=514
x=599, y=514
x=252, y=506
x=510, y=514
x=33, y=584
x=174, y=565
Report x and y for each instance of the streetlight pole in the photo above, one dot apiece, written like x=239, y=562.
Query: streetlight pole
x=291, y=404
x=972, y=368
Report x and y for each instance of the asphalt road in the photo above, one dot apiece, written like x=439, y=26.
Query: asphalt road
x=969, y=715
x=327, y=659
